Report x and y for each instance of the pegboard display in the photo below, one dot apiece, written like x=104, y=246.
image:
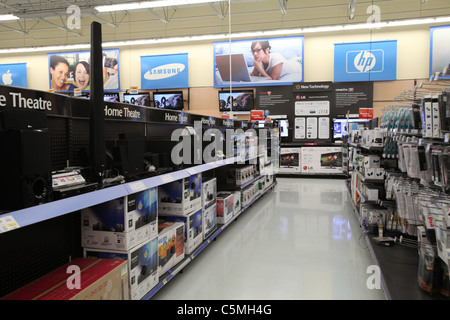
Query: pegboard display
x=60, y=142
x=31, y=252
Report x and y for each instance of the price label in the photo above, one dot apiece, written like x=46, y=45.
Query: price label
x=8, y=223
x=166, y=178
x=137, y=186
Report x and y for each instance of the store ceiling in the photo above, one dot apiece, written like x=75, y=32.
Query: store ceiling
x=46, y=22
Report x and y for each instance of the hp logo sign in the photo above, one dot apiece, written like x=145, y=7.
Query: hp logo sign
x=363, y=61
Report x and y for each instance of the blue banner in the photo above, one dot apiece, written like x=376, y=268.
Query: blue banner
x=168, y=71
x=14, y=74
x=365, y=61
x=440, y=51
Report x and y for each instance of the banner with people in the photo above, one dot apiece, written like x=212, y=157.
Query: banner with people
x=70, y=71
x=259, y=62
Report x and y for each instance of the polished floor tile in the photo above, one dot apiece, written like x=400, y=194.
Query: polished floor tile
x=299, y=241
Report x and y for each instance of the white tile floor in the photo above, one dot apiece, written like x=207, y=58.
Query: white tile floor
x=300, y=241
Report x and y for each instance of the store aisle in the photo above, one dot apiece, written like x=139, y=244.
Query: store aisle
x=300, y=241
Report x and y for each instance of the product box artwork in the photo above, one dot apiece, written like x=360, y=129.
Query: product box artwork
x=121, y=224
x=142, y=261
x=181, y=197
x=98, y=279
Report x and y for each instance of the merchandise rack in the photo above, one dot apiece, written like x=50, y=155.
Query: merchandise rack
x=398, y=267
x=170, y=274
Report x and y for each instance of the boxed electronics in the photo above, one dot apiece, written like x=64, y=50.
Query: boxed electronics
x=224, y=209
x=442, y=240
x=261, y=184
x=170, y=245
x=372, y=137
x=290, y=160
x=370, y=191
x=180, y=197
x=236, y=175
x=247, y=195
x=121, y=224
x=236, y=202
x=142, y=265
x=98, y=279
x=321, y=160
x=209, y=220
x=371, y=161
x=209, y=192
x=193, y=228
x=374, y=173
x=269, y=180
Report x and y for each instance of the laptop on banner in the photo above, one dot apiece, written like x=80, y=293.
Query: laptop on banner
x=239, y=70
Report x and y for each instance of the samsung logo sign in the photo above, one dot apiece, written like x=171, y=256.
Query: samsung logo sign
x=164, y=71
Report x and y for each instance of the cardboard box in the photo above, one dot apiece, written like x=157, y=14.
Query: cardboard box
x=170, y=245
x=224, y=209
x=193, y=228
x=181, y=197
x=121, y=224
x=209, y=192
x=142, y=265
x=209, y=221
x=290, y=160
x=321, y=160
x=371, y=161
x=236, y=202
x=99, y=279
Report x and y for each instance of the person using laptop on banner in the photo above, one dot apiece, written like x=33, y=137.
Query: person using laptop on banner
x=271, y=64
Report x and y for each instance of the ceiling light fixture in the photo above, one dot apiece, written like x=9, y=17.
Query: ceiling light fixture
x=8, y=17
x=150, y=4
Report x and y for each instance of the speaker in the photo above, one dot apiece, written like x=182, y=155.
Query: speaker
x=25, y=168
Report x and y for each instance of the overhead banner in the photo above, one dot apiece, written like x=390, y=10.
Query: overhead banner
x=365, y=61
x=14, y=74
x=70, y=71
x=440, y=51
x=169, y=71
x=259, y=62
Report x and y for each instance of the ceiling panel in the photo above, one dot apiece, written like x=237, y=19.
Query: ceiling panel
x=45, y=22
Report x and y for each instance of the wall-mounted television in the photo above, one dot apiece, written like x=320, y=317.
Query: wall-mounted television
x=341, y=127
x=283, y=125
x=239, y=100
x=140, y=99
x=111, y=97
x=168, y=100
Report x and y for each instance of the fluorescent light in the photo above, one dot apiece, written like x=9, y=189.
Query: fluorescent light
x=150, y=4
x=7, y=17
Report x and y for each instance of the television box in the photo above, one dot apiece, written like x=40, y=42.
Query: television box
x=193, y=229
x=209, y=221
x=319, y=160
x=142, y=265
x=236, y=202
x=98, y=280
x=121, y=224
x=180, y=197
x=209, y=192
x=224, y=209
x=170, y=245
x=290, y=160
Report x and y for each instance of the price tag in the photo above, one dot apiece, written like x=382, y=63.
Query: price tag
x=166, y=178
x=137, y=186
x=134, y=90
x=8, y=223
x=77, y=92
x=191, y=171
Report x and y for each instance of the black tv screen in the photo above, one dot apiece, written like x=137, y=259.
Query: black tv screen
x=241, y=100
x=140, y=99
x=111, y=97
x=168, y=100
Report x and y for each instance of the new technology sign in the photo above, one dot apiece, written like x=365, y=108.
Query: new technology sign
x=164, y=71
x=365, y=61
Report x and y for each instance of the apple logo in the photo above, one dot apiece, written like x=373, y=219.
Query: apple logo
x=6, y=78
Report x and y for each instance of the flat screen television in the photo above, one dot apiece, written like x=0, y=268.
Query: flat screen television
x=284, y=128
x=341, y=127
x=111, y=97
x=140, y=99
x=168, y=100
x=240, y=100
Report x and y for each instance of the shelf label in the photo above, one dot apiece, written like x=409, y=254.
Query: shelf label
x=8, y=223
x=191, y=171
x=166, y=178
x=137, y=186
